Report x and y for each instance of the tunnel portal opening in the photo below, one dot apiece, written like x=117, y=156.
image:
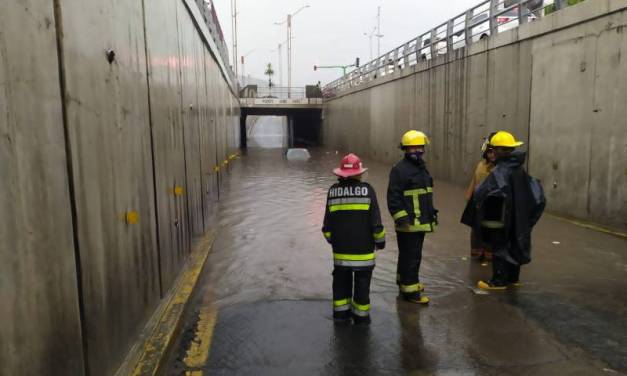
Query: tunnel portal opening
x=286, y=128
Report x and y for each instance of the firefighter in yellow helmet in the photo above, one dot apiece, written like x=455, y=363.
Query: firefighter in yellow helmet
x=410, y=202
x=503, y=210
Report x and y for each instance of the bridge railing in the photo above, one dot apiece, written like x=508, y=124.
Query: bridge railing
x=281, y=92
x=490, y=17
x=207, y=9
x=278, y=92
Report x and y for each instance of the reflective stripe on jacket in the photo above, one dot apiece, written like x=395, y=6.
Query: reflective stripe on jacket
x=352, y=223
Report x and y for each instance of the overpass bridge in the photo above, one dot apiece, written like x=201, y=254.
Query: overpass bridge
x=302, y=107
x=120, y=170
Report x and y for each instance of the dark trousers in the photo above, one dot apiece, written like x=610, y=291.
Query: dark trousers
x=409, y=258
x=503, y=272
x=343, y=288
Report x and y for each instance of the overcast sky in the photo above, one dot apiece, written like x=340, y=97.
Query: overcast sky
x=329, y=32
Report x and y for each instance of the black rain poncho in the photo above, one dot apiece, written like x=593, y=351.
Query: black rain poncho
x=505, y=207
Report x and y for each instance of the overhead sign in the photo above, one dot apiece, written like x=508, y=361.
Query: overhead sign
x=278, y=102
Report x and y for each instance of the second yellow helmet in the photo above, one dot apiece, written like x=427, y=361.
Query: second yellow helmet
x=504, y=139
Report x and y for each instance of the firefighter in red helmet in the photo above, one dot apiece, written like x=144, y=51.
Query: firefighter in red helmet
x=352, y=225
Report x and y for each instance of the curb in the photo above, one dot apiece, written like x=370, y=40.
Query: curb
x=591, y=226
x=156, y=348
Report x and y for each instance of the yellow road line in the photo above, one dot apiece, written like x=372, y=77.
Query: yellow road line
x=156, y=347
x=198, y=351
x=591, y=226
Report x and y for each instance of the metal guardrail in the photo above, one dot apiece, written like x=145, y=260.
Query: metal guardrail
x=281, y=92
x=210, y=16
x=487, y=18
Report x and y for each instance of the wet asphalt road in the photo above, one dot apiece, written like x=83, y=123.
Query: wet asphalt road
x=264, y=305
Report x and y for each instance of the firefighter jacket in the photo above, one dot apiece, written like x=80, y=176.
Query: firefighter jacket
x=352, y=224
x=410, y=197
x=505, y=207
x=481, y=172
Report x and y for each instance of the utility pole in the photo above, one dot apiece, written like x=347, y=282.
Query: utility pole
x=370, y=35
x=289, y=47
x=289, y=56
x=379, y=35
x=279, y=51
x=280, y=66
x=234, y=29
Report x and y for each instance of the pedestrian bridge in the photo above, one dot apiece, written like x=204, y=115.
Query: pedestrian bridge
x=302, y=106
x=253, y=106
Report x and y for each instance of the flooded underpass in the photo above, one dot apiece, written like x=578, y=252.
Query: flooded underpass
x=264, y=305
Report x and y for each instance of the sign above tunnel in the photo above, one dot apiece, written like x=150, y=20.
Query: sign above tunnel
x=281, y=102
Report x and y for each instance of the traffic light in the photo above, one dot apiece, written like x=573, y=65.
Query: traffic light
x=357, y=62
x=315, y=67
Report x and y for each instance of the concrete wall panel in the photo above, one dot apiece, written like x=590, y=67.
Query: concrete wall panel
x=108, y=125
x=577, y=127
x=207, y=140
x=167, y=134
x=558, y=104
x=608, y=177
x=190, y=59
x=40, y=332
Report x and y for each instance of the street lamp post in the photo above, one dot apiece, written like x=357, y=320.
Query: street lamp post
x=289, y=47
x=279, y=51
x=234, y=30
x=289, y=55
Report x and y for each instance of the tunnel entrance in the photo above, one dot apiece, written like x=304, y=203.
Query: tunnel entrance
x=267, y=132
x=275, y=127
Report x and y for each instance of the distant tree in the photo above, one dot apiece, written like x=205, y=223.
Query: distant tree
x=269, y=72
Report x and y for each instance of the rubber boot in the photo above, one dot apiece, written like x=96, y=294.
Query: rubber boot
x=415, y=297
x=489, y=286
x=361, y=320
x=514, y=276
x=421, y=288
x=341, y=316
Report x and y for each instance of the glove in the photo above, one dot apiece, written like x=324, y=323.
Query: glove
x=403, y=221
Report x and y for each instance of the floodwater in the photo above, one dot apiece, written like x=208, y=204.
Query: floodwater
x=264, y=305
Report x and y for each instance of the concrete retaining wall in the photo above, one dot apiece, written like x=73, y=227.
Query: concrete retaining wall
x=559, y=84
x=107, y=171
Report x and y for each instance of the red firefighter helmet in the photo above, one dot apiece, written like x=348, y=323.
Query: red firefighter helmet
x=350, y=166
